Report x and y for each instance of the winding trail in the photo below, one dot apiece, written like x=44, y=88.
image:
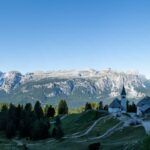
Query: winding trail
x=108, y=132
x=73, y=136
x=79, y=134
x=89, y=129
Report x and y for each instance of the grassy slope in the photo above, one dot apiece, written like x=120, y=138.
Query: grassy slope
x=103, y=126
x=6, y=144
x=128, y=137
x=79, y=122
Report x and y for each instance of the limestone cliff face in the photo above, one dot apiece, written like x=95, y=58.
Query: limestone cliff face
x=75, y=86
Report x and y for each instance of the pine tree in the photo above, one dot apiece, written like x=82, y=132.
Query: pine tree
x=26, y=120
x=131, y=107
x=106, y=107
x=28, y=107
x=4, y=108
x=134, y=108
x=101, y=105
x=3, y=117
x=50, y=111
x=62, y=107
x=12, y=114
x=88, y=106
x=38, y=110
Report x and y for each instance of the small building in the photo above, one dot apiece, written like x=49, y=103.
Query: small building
x=119, y=106
x=143, y=107
x=115, y=106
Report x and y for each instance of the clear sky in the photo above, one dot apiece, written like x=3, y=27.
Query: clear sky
x=75, y=34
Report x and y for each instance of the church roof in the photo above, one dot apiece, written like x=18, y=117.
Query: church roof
x=145, y=108
x=144, y=101
x=123, y=91
x=116, y=103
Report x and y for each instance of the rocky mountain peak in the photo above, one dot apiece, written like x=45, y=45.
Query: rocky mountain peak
x=83, y=85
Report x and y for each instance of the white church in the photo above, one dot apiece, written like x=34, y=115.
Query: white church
x=119, y=106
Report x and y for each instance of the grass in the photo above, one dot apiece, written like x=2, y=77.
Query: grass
x=128, y=133
x=102, y=127
x=61, y=145
x=6, y=144
x=130, y=137
x=79, y=122
x=4, y=139
x=127, y=137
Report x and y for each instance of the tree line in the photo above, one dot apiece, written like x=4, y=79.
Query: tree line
x=96, y=106
x=99, y=106
x=31, y=122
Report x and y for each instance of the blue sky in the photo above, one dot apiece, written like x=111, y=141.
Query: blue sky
x=75, y=34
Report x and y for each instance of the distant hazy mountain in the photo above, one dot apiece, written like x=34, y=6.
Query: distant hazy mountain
x=77, y=87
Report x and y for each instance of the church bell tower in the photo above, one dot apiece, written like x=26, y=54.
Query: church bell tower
x=123, y=100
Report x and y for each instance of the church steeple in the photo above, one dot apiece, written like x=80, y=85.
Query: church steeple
x=123, y=93
x=123, y=100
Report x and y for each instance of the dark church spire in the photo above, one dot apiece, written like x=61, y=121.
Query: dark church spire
x=123, y=93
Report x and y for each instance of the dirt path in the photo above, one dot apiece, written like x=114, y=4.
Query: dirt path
x=77, y=135
x=108, y=132
x=89, y=129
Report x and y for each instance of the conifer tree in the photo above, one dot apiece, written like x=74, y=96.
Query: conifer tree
x=88, y=106
x=62, y=107
x=50, y=111
x=38, y=110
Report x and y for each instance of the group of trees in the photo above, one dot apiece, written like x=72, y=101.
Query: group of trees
x=131, y=107
x=99, y=106
x=95, y=106
x=25, y=120
x=31, y=122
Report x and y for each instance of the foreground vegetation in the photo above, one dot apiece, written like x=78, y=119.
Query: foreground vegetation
x=130, y=137
x=37, y=128
x=32, y=123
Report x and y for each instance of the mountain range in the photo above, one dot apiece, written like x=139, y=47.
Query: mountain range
x=76, y=86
